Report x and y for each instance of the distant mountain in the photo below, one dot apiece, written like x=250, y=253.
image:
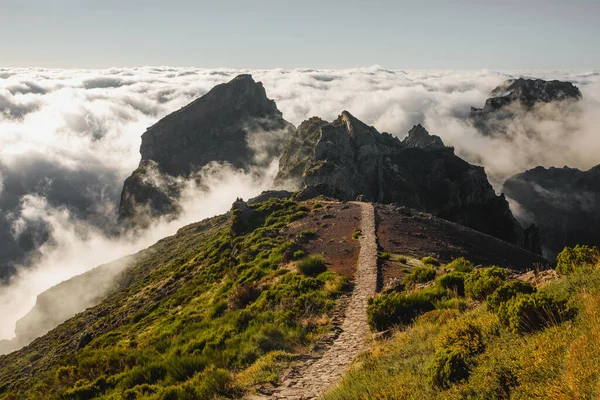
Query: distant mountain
x=347, y=159
x=517, y=96
x=234, y=123
x=63, y=301
x=563, y=202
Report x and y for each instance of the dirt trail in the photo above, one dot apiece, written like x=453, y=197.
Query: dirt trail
x=314, y=374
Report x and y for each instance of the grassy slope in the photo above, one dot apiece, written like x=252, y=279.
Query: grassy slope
x=560, y=361
x=202, y=314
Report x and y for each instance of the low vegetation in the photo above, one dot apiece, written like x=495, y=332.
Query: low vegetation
x=460, y=264
x=430, y=261
x=211, y=314
x=312, y=265
x=578, y=257
x=509, y=340
x=419, y=275
x=500, y=338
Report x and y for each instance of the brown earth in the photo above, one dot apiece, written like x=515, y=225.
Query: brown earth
x=407, y=232
x=314, y=373
x=333, y=224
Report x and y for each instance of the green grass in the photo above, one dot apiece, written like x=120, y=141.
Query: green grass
x=312, y=265
x=460, y=264
x=419, y=275
x=203, y=315
x=308, y=233
x=430, y=261
x=471, y=353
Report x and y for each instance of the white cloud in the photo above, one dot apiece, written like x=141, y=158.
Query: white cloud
x=81, y=129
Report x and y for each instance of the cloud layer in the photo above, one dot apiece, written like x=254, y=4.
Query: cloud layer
x=69, y=138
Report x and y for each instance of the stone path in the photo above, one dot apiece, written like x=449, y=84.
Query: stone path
x=318, y=371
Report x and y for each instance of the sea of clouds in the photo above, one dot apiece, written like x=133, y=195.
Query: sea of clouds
x=69, y=138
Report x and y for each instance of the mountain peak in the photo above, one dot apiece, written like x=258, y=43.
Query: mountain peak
x=348, y=159
x=528, y=92
x=418, y=136
x=217, y=127
x=514, y=97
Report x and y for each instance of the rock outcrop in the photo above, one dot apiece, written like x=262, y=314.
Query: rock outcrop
x=419, y=137
x=518, y=96
x=234, y=123
x=347, y=158
x=563, y=202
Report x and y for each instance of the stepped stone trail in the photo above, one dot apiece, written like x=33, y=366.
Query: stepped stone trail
x=314, y=374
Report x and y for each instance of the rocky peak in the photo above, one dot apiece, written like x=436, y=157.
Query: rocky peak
x=234, y=123
x=530, y=91
x=348, y=159
x=212, y=128
x=352, y=125
x=419, y=137
x=516, y=96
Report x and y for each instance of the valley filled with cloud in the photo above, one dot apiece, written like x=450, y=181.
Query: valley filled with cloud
x=69, y=138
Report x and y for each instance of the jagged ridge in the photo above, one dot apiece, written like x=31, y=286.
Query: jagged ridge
x=347, y=158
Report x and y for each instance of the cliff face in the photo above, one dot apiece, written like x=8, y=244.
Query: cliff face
x=517, y=96
x=563, y=202
x=233, y=123
x=347, y=159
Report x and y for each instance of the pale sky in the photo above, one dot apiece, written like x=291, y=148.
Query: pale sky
x=415, y=34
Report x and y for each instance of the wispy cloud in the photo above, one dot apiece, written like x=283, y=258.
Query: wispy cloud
x=69, y=138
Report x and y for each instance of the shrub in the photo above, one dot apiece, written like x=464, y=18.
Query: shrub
x=572, y=258
x=215, y=381
x=430, y=261
x=182, y=368
x=266, y=369
x=419, y=275
x=298, y=254
x=454, y=281
x=531, y=312
x=403, y=259
x=317, y=205
x=356, y=234
x=140, y=374
x=453, y=303
x=448, y=367
x=462, y=336
x=391, y=309
x=87, y=391
x=461, y=264
x=242, y=295
x=312, y=265
x=384, y=256
x=506, y=292
x=307, y=233
x=482, y=282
